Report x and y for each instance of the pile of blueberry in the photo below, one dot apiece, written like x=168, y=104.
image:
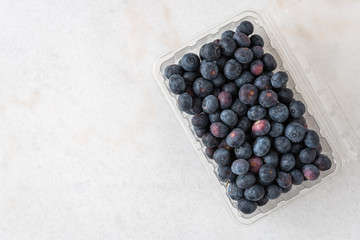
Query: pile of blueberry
x=248, y=120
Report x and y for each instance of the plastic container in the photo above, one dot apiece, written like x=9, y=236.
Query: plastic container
x=324, y=114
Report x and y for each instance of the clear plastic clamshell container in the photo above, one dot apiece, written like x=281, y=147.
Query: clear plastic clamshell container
x=278, y=24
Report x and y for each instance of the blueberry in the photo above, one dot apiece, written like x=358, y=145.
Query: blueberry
x=244, y=124
x=209, y=70
x=239, y=108
x=279, y=112
x=209, y=140
x=225, y=100
x=323, y=162
x=232, y=69
x=256, y=40
x=240, y=166
x=241, y=39
x=190, y=91
x=298, y=163
x=297, y=147
x=222, y=157
x=227, y=46
x=245, y=180
x=190, y=77
x=221, y=62
x=287, y=162
x=235, y=138
x=262, y=201
x=200, y=131
x=269, y=61
x=283, y=179
x=235, y=192
x=177, y=84
x=248, y=94
x=247, y=207
x=285, y=95
x=190, y=62
x=219, y=81
x=210, y=51
x=318, y=149
x=244, y=151
x=216, y=92
x=307, y=155
x=210, y=104
x=272, y=158
x=225, y=174
x=301, y=120
x=312, y=139
x=276, y=129
x=267, y=173
x=295, y=132
x=256, y=112
x=268, y=98
x=282, y=144
x=229, y=117
x=223, y=144
x=210, y=152
x=273, y=191
x=261, y=127
x=219, y=129
x=261, y=146
x=227, y=33
x=255, y=164
x=254, y=193
x=231, y=88
x=215, y=117
x=285, y=190
x=200, y=120
x=279, y=79
x=257, y=67
x=297, y=109
x=268, y=74
x=243, y=55
x=258, y=51
x=245, y=78
x=173, y=69
x=262, y=83
x=185, y=102
x=297, y=176
x=202, y=87
x=245, y=27
x=310, y=172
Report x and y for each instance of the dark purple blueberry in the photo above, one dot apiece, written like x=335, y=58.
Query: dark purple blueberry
x=301, y=120
x=279, y=112
x=273, y=191
x=227, y=46
x=227, y=33
x=241, y=39
x=219, y=129
x=216, y=41
x=262, y=83
x=173, y=69
x=245, y=78
x=232, y=69
x=282, y=144
x=268, y=98
x=240, y=166
x=307, y=155
x=297, y=176
x=210, y=152
x=244, y=151
x=202, y=87
x=190, y=91
x=269, y=61
x=245, y=180
x=262, y=202
x=235, y=192
x=285, y=95
x=221, y=62
x=177, y=84
x=297, y=109
x=210, y=104
x=231, y=88
x=318, y=149
x=225, y=174
x=310, y=172
x=235, y=138
x=255, y=164
x=257, y=67
x=267, y=173
x=190, y=62
x=256, y=112
x=209, y=140
x=200, y=131
x=297, y=147
x=283, y=179
x=261, y=146
x=295, y=132
x=225, y=100
x=245, y=27
x=215, y=117
x=222, y=157
x=323, y=162
x=248, y=94
x=312, y=139
x=219, y=81
x=287, y=162
x=229, y=117
x=200, y=120
x=210, y=51
x=276, y=129
x=258, y=51
x=243, y=55
x=244, y=124
x=190, y=77
x=279, y=79
x=223, y=144
x=272, y=158
x=256, y=40
x=247, y=207
x=261, y=127
x=254, y=193
x=209, y=70
x=239, y=108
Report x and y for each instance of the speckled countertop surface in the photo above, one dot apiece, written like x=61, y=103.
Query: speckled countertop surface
x=91, y=149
